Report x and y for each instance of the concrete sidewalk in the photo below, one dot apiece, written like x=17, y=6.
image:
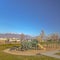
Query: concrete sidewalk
x=51, y=54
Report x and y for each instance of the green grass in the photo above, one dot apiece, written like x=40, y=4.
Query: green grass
x=58, y=53
x=6, y=56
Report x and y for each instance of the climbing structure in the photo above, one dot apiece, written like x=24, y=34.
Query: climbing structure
x=33, y=44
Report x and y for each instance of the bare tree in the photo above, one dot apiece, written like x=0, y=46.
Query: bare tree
x=42, y=34
x=22, y=36
x=54, y=37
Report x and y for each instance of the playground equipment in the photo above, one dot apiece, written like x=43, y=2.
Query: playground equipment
x=29, y=45
x=33, y=44
x=41, y=46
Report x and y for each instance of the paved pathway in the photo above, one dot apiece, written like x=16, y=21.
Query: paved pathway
x=52, y=54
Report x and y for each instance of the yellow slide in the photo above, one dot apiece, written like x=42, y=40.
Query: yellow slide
x=41, y=46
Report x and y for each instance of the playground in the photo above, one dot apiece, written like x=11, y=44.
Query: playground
x=32, y=47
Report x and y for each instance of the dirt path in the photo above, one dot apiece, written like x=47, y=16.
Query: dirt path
x=29, y=52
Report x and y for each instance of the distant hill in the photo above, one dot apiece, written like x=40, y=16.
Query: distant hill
x=12, y=35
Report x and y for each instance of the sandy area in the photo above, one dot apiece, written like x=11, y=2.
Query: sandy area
x=29, y=52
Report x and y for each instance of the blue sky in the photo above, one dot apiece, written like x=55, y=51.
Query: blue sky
x=29, y=16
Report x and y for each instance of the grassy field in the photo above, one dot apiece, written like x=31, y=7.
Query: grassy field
x=5, y=56
x=58, y=53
